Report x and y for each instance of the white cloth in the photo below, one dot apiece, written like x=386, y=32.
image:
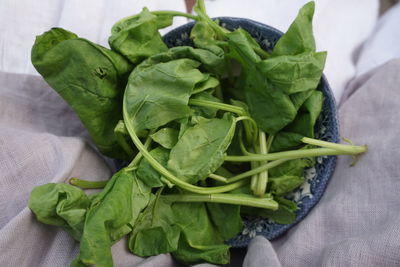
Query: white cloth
x=383, y=44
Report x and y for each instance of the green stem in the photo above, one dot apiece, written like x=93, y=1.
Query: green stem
x=120, y=133
x=241, y=144
x=164, y=172
x=255, y=171
x=250, y=128
x=235, y=199
x=295, y=154
x=125, y=146
x=351, y=149
x=135, y=162
x=218, y=177
x=87, y=184
x=167, y=182
x=262, y=180
x=211, y=104
x=269, y=141
x=176, y=14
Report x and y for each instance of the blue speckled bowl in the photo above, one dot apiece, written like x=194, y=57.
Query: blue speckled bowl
x=308, y=195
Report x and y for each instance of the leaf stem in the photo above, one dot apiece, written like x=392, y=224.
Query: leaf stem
x=257, y=170
x=235, y=199
x=119, y=134
x=218, y=177
x=262, y=180
x=134, y=163
x=296, y=154
x=85, y=184
x=352, y=149
x=250, y=127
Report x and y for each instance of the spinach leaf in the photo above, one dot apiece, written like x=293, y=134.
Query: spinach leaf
x=294, y=73
x=90, y=78
x=302, y=125
x=147, y=174
x=284, y=184
x=60, y=205
x=292, y=167
x=107, y=221
x=155, y=231
x=200, y=240
x=205, y=37
x=308, y=115
x=158, y=94
x=286, y=213
x=137, y=37
x=299, y=37
x=141, y=196
x=210, y=62
x=166, y=137
x=226, y=219
x=270, y=107
x=210, y=82
x=242, y=47
x=201, y=149
x=299, y=98
x=285, y=140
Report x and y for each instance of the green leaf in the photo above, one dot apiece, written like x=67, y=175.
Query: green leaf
x=210, y=82
x=243, y=47
x=137, y=37
x=226, y=219
x=299, y=37
x=155, y=231
x=286, y=213
x=308, y=115
x=147, y=174
x=60, y=205
x=302, y=125
x=204, y=37
x=284, y=184
x=107, y=221
x=166, y=137
x=270, y=107
x=200, y=240
x=141, y=196
x=210, y=62
x=292, y=167
x=158, y=94
x=285, y=140
x=201, y=149
x=298, y=99
x=89, y=77
x=294, y=74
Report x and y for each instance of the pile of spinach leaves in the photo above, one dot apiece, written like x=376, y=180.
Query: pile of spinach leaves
x=172, y=115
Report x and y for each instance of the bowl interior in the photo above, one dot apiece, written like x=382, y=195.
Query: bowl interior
x=317, y=178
